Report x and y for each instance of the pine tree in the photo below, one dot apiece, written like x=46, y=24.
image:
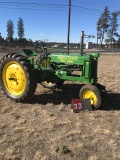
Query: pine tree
x=10, y=30
x=112, y=32
x=20, y=27
x=103, y=24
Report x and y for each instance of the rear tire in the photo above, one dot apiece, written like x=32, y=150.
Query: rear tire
x=17, y=78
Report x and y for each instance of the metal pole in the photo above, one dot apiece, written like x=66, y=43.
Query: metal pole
x=69, y=12
x=82, y=43
x=97, y=40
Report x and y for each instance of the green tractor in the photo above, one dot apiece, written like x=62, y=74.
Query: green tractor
x=20, y=73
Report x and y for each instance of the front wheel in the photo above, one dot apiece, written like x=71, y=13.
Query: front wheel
x=102, y=90
x=93, y=93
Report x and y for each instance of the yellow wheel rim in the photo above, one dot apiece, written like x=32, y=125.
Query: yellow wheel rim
x=14, y=78
x=90, y=94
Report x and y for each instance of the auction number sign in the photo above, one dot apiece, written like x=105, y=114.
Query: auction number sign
x=76, y=105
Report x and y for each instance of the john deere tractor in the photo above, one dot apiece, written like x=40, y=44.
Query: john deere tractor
x=20, y=73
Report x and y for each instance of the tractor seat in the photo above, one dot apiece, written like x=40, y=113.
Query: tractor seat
x=29, y=52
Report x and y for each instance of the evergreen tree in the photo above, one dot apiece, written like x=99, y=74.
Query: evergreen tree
x=112, y=32
x=118, y=41
x=103, y=24
x=10, y=30
x=20, y=27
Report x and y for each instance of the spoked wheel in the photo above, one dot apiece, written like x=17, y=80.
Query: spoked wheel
x=92, y=92
x=16, y=77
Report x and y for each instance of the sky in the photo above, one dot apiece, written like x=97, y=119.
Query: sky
x=48, y=19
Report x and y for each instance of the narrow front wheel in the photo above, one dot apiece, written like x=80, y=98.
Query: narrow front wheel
x=93, y=93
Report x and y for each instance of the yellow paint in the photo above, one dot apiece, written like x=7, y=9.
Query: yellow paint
x=14, y=78
x=90, y=94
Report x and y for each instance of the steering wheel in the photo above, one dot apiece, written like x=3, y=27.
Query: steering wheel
x=39, y=46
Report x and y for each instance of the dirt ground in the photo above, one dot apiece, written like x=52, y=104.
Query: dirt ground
x=48, y=129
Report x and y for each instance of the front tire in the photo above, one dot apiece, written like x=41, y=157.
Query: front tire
x=102, y=90
x=17, y=77
x=92, y=92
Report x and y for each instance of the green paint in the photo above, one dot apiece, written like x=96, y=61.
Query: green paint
x=63, y=66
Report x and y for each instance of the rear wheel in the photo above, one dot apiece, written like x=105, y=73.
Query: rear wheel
x=16, y=77
x=93, y=93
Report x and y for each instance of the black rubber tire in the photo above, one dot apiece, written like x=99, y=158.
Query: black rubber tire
x=95, y=94
x=27, y=68
x=102, y=90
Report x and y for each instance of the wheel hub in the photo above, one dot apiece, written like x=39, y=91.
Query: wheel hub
x=91, y=95
x=13, y=80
